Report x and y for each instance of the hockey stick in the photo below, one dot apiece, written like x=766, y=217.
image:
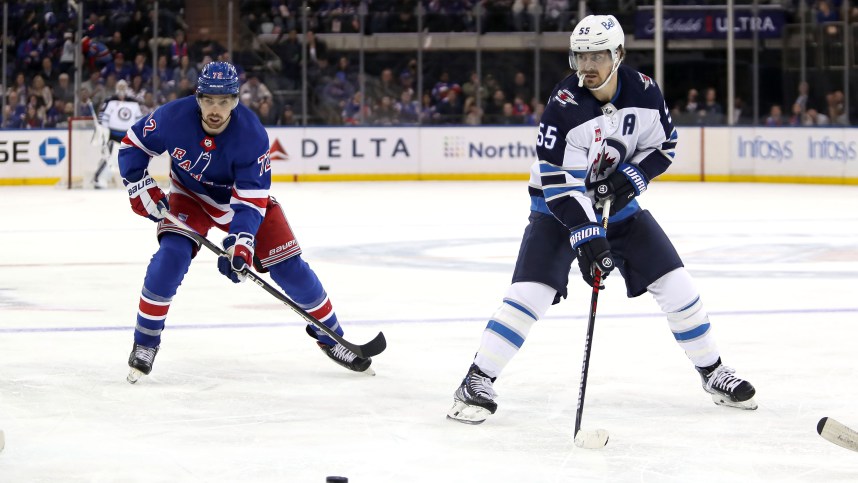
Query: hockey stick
x=837, y=433
x=372, y=348
x=598, y=438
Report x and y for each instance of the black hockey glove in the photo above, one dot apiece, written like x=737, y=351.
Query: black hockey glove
x=593, y=251
x=623, y=185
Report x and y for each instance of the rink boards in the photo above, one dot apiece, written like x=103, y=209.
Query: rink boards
x=809, y=155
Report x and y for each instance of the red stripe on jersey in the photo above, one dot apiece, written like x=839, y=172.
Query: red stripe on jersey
x=128, y=141
x=262, y=203
x=213, y=211
x=324, y=311
x=153, y=310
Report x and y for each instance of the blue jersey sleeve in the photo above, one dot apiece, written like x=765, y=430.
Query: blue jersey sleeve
x=249, y=198
x=142, y=142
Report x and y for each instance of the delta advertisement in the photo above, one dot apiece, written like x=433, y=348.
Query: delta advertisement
x=476, y=153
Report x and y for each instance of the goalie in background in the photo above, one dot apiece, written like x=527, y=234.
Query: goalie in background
x=118, y=114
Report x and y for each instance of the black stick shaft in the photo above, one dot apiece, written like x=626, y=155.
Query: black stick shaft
x=372, y=348
x=591, y=326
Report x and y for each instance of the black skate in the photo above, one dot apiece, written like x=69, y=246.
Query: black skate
x=727, y=389
x=474, y=400
x=140, y=361
x=344, y=357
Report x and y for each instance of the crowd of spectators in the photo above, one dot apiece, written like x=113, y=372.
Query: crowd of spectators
x=119, y=38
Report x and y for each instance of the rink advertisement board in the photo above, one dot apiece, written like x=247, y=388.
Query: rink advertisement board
x=821, y=155
x=781, y=155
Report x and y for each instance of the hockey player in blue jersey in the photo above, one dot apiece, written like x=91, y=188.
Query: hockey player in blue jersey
x=220, y=175
x=605, y=133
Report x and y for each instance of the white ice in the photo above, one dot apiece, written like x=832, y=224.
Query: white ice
x=239, y=393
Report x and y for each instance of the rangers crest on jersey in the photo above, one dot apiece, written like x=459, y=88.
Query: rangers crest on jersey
x=564, y=97
x=647, y=81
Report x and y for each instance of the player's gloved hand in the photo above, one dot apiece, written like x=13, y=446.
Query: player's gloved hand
x=593, y=251
x=623, y=185
x=238, y=257
x=144, y=196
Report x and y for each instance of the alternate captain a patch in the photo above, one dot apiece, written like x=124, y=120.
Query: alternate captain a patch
x=564, y=97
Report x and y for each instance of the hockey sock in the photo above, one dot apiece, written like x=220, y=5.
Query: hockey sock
x=688, y=320
x=523, y=305
x=301, y=284
x=163, y=277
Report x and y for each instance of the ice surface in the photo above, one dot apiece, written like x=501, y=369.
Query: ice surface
x=240, y=394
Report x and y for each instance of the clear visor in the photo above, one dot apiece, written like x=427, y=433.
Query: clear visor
x=589, y=60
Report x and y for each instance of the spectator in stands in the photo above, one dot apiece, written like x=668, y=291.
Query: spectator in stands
x=164, y=74
x=34, y=118
x=67, y=53
x=408, y=110
x=473, y=113
x=96, y=54
x=556, y=15
x=94, y=86
x=691, y=103
x=187, y=71
x=178, y=47
x=30, y=52
x=404, y=21
x=520, y=86
x=64, y=90
x=814, y=118
x=385, y=114
x=448, y=110
x=520, y=108
x=803, y=99
x=795, y=118
x=49, y=73
x=775, y=118
x=387, y=86
x=148, y=105
x=137, y=90
x=141, y=68
x=406, y=82
x=118, y=68
x=20, y=88
x=443, y=87
x=533, y=118
x=836, y=108
x=56, y=115
x=351, y=112
x=13, y=116
x=117, y=44
x=509, y=117
x=205, y=46
x=258, y=91
x=316, y=49
x=523, y=12
x=39, y=89
x=711, y=112
x=494, y=108
x=474, y=88
x=825, y=15
x=265, y=112
x=287, y=117
x=427, y=110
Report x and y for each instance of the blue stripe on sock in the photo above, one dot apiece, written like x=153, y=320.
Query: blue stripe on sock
x=689, y=305
x=693, y=333
x=505, y=332
x=520, y=308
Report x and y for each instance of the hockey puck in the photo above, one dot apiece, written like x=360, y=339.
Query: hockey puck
x=336, y=479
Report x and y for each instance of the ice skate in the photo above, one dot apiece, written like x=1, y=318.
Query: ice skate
x=140, y=361
x=474, y=400
x=344, y=357
x=727, y=389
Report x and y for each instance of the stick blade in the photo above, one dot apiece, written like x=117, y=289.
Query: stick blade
x=595, y=439
x=837, y=433
x=372, y=348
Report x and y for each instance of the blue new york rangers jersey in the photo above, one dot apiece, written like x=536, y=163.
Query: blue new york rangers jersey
x=229, y=174
x=582, y=140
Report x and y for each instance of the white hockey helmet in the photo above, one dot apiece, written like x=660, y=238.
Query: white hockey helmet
x=595, y=33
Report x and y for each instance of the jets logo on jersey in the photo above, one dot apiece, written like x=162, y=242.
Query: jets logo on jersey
x=647, y=81
x=601, y=164
x=124, y=114
x=564, y=97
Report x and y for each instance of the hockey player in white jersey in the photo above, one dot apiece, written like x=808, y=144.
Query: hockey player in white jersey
x=605, y=133
x=118, y=113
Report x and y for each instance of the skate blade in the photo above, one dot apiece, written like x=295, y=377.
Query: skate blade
x=369, y=371
x=464, y=413
x=749, y=405
x=134, y=375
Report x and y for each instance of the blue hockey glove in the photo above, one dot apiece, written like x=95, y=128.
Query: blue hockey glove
x=593, y=251
x=623, y=185
x=238, y=257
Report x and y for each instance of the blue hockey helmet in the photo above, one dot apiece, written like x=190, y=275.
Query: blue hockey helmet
x=217, y=79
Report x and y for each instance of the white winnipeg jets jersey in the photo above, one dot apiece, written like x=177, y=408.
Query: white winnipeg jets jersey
x=582, y=140
x=119, y=115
